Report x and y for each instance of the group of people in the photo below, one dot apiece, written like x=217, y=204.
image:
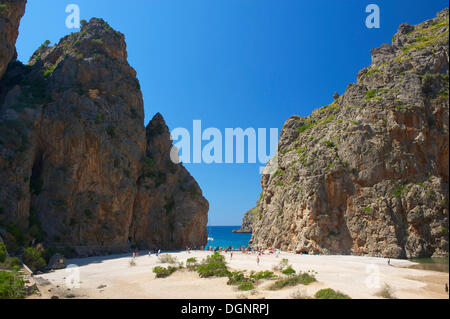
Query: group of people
x=156, y=252
x=189, y=248
x=224, y=249
x=230, y=249
x=260, y=252
x=246, y=250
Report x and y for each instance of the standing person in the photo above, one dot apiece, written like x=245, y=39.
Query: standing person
x=134, y=255
x=446, y=288
x=389, y=261
x=231, y=255
x=257, y=260
x=149, y=253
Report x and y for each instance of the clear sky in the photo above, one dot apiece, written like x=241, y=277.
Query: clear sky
x=234, y=63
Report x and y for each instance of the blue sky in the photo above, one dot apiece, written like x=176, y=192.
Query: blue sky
x=234, y=63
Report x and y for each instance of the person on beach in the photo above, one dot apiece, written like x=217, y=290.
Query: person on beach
x=257, y=260
x=446, y=288
x=134, y=255
x=149, y=253
x=389, y=261
x=231, y=255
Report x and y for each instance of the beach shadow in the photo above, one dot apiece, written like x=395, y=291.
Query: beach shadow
x=100, y=259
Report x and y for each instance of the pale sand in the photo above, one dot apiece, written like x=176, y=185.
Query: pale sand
x=348, y=274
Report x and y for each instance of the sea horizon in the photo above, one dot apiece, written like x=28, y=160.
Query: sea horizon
x=223, y=236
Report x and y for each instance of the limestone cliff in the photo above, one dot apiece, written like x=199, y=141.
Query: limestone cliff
x=248, y=220
x=368, y=174
x=170, y=209
x=73, y=149
x=11, y=11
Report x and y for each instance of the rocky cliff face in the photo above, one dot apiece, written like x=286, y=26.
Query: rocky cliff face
x=73, y=150
x=368, y=174
x=11, y=11
x=249, y=218
x=170, y=210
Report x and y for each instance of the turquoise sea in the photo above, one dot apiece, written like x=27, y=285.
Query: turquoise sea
x=224, y=237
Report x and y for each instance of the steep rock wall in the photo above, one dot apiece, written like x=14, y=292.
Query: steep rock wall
x=368, y=174
x=72, y=148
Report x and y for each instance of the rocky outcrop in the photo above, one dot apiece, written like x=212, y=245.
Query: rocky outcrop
x=170, y=211
x=87, y=138
x=77, y=112
x=72, y=149
x=248, y=220
x=11, y=11
x=57, y=261
x=368, y=174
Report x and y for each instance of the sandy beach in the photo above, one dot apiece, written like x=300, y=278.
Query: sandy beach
x=113, y=277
